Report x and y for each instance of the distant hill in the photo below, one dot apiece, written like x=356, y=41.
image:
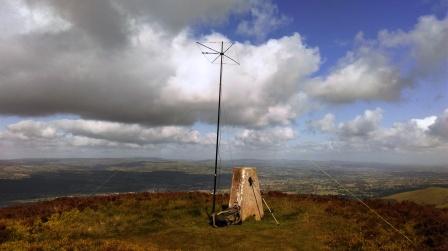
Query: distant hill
x=436, y=196
x=178, y=221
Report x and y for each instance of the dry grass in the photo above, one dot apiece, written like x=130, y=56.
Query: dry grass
x=437, y=196
x=173, y=221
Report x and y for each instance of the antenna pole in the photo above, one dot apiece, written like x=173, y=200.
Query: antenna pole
x=217, y=129
x=220, y=53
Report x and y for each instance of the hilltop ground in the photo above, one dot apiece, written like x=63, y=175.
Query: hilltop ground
x=159, y=221
x=437, y=196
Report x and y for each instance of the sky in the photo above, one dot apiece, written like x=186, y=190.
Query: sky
x=323, y=80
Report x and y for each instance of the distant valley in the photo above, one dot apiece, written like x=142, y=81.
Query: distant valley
x=34, y=179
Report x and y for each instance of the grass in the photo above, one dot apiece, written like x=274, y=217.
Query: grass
x=178, y=221
x=437, y=196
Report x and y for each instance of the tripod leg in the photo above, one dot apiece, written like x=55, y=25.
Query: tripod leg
x=214, y=220
x=273, y=216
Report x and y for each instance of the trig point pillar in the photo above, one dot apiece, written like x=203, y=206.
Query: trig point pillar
x=245, y=192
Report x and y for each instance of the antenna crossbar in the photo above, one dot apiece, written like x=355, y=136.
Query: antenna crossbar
x=208, y=47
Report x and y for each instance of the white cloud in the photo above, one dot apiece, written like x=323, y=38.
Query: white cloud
x=113, y=18
x=407, y=136
x=148, y=75
x=264, y=19
x=17, y=18
x=28, y=130
x=359, y=127
x=364, y=133
x=380, y=69
x=74, y=135
x=325, y=124
x=427, y=42
x=266, y=137
x=363, y=74
x=424, y=123
x=78, y=132
x=131, y=71
x=175, y=15
x=362, y=125
x=440, y=126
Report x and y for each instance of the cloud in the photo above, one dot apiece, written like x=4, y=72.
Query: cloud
x=325, y=124
x=427, y=44
x=78, y=132
x=147, y=77
x=363, y=74
x=125, y=133
x=100, y=20
x=72, y=135
x=265, y=18
x=359, y=127
x=125, y=67
x=364, y=133
x=381, y=68
x=175, y=15
x=132, y=74
x=110, y=20
x=424, y=123
x=265, y=138
x=362, y=125
x=408, y=136
x=439, y=127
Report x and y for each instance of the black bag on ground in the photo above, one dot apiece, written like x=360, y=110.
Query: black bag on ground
x=227, y=217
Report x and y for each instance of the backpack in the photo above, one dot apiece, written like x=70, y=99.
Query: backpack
x=227, y=217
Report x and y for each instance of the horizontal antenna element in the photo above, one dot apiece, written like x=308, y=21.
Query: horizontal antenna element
x=210, y=48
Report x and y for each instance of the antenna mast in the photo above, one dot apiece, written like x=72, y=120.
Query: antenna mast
x=221, y=54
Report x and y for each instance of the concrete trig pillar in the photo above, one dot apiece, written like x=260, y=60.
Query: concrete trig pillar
x=245, y=192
